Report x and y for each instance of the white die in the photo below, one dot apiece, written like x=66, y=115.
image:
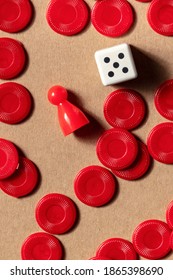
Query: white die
x=115, y=64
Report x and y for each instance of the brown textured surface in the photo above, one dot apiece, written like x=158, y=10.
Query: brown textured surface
x=69, y=61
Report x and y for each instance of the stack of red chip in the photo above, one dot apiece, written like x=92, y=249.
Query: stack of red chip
x=120, y=151
x=139, y=167
x=117, y=148
x=18, y=175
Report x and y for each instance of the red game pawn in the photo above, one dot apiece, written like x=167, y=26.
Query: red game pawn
x=70, y=117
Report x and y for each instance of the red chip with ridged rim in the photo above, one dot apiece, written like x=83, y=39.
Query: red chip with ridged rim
x=12, y=58
x=117, y=148
x=139, y=167
x=14, y=15
x=55, y=213
x=160, y=16
x=15, y=103
x=22, y=181
x=169, y=215
x=151, y=239
x=116, y=249
x=41, y=246
x=163, y=99
x=124, y=108
x=112, y=18
x=9, y=158
x=67, y=17
x=94, y=185
x=160, y=142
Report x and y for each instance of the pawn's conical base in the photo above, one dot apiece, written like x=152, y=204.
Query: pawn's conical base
x=70, y=117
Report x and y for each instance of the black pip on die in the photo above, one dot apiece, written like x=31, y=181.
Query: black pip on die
x=115, y=64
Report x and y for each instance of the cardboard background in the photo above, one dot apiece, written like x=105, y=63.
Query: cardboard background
x=69, y=61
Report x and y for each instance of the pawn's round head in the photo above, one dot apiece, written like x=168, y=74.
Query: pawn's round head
x=57, y=95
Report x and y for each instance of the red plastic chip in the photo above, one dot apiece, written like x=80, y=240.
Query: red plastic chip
x=41, y=246
x=160, y=142
x=151, y=239
x=55, y=213
x=15, y=103
x=94, y=185
x=12, y=58
x=112, y=17
x=23, y=180
x=9, y=159
x=14, y=15
x=116, y=249
x=160, y=16
x=169, y=215
x=117, y=148
x=164, y=99
x=139, y=167
x=67, y=17
x=124, y=108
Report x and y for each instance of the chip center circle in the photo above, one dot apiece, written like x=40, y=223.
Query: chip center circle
x=41, y=252
x=6, y=58
x=124, y=109
x=116, y=148
x=9, y=11
x=9, y=103
x=152, y=239
x=55, y=214
x=94, y=186
x=165, y=14
x=111, y=16
x=3, y=158
x=66, y=14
